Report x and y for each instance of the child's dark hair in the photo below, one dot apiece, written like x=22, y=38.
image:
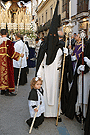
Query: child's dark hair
x=34, y=81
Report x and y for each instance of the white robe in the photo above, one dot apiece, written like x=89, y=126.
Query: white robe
x=86, y=92
x=20, y=47
x=50, y=76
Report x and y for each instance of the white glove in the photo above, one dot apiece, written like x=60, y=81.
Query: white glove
x=73, y=58
x=87, y=61
x=80, y=68
x=65, y=50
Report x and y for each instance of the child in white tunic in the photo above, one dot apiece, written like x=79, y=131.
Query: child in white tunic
x=35, y=99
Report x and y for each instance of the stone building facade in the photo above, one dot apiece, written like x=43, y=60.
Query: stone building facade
x=79, y=15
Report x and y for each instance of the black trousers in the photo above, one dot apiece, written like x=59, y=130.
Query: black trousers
x=23, y=76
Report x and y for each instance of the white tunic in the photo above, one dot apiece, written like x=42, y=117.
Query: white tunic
x=19, y=45
x=85, y=93
x=50, y=76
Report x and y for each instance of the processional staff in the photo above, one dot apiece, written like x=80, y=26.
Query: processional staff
x=67, y=30
x=20, y=69
x=70, y=33
x=82, y=35
x=33, y=121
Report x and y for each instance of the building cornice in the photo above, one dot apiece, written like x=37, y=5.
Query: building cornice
x=41, y=5
x=83, y=14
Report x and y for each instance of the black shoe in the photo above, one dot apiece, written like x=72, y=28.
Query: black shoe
x=59, y=119
x=36, y=127
x=13, y=94
x=9, y=94
x=3, y=92
x=78, y=118
x=84, y=119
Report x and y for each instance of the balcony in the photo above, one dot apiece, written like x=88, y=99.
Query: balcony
x=82, y=9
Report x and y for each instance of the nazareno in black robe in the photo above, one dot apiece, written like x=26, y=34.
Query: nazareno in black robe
x=39, y=120
x=69, y=98
x=87, y=121
x=67, y=77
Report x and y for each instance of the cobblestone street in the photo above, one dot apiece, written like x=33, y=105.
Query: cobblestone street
x=14, y=111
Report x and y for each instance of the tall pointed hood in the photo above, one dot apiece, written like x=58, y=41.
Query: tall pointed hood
x=50, y=45
x=52, y=38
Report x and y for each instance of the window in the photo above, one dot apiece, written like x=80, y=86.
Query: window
x=65, y=7
x=82, y=5
x=39, y=20
x=46, y=16
x=51, y=11
x=42, y=18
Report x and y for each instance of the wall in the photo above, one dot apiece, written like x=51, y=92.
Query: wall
x=73, y=7
x=43, y=11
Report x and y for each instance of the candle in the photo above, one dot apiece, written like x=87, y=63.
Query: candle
x=70, y=9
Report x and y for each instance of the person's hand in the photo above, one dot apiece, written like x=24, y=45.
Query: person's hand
x=65, y=50
x=35, y=109
x=22, y=55
x=73, y=58
x=87, y=61
x=27, y=58
x=80, y=69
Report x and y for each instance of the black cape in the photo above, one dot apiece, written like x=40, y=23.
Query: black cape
x=42, y=51
x=40, y=56
x=69, y=98
x=33, y=94
x=65, y=95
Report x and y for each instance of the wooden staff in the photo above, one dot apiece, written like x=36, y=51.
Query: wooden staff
x=33, y=121
x=20, y=69
x=82, y=35
x=82, y=82
x=61, y=83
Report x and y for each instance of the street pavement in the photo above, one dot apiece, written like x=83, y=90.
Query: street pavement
x=14, y=111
